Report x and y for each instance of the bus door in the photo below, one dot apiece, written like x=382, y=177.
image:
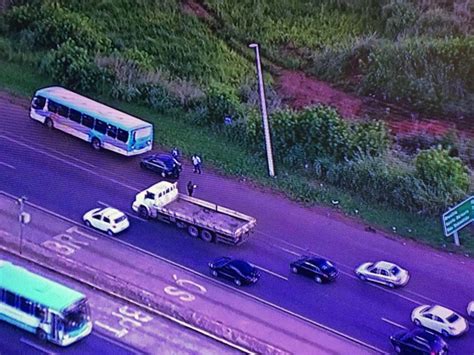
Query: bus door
x=57, y=327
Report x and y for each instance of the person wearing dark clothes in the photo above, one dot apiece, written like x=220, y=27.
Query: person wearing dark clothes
x=191, y=188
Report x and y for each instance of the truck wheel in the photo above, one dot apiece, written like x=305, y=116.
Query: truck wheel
x=207, y=236
x=143, y=212
x=49, y=123
x=180, y=224
x=193, y=231
x=96, y=143
x=41, y=334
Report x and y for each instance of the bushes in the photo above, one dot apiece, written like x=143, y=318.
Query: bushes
x=436, y=73
x=390, y=181
x=72, y=66
x=437, y=169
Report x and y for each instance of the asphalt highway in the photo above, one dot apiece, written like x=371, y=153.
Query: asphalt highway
x=65, y=175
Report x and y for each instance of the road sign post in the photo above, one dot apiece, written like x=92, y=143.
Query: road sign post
x=457, y=218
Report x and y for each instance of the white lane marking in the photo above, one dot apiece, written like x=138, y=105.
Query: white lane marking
x=393, y=323
x=37, y=347
x=7, y=165
x=72, y=164
x=421, y=296
x=132, y=215
x=119, y=344
x=271, y=273
x=288, y=251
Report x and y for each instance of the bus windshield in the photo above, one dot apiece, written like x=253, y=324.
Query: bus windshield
x=143, y=133
x=76, y=316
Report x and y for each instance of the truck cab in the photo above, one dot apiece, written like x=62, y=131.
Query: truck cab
x=156, y=196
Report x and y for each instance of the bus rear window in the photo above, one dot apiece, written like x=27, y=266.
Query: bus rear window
x=122, y=135
x=38, y=102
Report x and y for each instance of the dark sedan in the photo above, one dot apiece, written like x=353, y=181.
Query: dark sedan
x=418, y=341
x=164, y=164
x=321, y=270
x=238, y=271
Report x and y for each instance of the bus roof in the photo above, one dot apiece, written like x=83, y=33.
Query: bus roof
x=91, y=107
x=36, y=288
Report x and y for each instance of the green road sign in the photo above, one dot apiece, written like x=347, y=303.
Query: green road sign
x=459, y=216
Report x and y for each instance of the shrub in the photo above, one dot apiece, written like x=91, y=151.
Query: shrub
x=370, y=138
x=398, y=16
x=54, y=25
x=443, y=172
x=72, y=66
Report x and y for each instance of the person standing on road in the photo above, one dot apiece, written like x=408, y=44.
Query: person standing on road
x=176, y=153
x=196, y=163
x=191, y=188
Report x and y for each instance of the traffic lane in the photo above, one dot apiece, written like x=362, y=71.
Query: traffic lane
x=323, y=236
x=175, y=247
x=128, y=329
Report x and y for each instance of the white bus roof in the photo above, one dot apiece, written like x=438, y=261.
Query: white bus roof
x=93, y=108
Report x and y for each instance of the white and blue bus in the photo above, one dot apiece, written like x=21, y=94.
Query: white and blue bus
x=54, y=312
x=94, y=122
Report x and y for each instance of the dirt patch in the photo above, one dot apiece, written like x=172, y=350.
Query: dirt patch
x=192, y=7
x=299, y=90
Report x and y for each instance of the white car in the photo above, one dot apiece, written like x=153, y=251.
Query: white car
x=439, y=319
x=383, y=272
x=470, y=309
x=108, y=219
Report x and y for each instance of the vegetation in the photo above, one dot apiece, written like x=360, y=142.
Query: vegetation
x=194, y=72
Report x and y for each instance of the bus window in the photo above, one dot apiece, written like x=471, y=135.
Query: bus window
x=1, y=294
x=122, y=135
x=25, y=305
x=112, y=131
x=63, y=111
x=88, y=121
x=10, y=298
x=52, y=106
x=100, y=126
x=38, y=102
x=75, y=116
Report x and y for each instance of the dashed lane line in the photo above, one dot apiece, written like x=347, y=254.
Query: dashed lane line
x=393, y=323
x=7, y=165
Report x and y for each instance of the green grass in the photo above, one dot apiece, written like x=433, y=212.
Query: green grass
x=234, y=160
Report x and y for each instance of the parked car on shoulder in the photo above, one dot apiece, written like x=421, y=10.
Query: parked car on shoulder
x=440, y=319
x=164, y=164
x=319, y=269
x=470, y=309
x=383, y=272
x=238, y=271
x=418, y=341
x=108, y=219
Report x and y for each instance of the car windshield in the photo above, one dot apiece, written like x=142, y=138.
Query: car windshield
x=395, y=270
x=167, y=161
x=452, y=318
x=325, y=265
x=120, y=219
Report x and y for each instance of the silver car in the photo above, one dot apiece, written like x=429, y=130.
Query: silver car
x=383, y=272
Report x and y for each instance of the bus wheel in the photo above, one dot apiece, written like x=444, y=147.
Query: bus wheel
x=95, y=144
x=41, y=334
x=193, y=231
x=207, y=236
x=49, y=123
x=143, y=212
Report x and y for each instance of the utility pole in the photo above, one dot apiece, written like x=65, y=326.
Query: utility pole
x=263, y=106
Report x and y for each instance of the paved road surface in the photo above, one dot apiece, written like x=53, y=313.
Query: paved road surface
x=63, y=174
